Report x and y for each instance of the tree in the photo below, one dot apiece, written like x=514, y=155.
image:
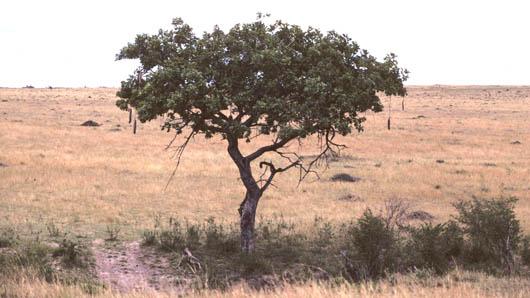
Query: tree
x=260, y=78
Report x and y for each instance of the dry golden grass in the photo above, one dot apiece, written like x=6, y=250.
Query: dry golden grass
x=84, y=178
x=455, y=284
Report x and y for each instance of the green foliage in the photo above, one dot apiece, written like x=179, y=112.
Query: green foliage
x=31, y=255
x=113, y=232
x=325, y=234
x=150, y=237
x=220, y=239
x=525, y=251
x=53, y=230
x=256, y=79
x=8, y=237
x=435, y=246
x=40, y=259
x=249, y=264
x=73, y=253
x=280, y=239
x=176, y=236
x=172, y=238
x=492, y=229
x=273, y=77
x=375, y=247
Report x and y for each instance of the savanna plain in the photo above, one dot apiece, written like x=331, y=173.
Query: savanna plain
x=104, y=187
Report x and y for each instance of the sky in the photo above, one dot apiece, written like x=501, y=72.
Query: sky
x=74, y=43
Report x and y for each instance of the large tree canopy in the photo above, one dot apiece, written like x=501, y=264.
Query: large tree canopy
x=257, y=79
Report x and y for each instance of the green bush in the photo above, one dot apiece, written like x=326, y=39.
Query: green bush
x=525, y=251
x=369, y=248
x=150, y=237
x=374, y=247
x=173, y=238
x=8, y=237
x=176, y=236
x=113, y=232
x=280, y=240
x=73, y=253
x=220, y=239
x=323, y=235
x=193, y=236
x=31, y=255
x=435, y=246
x=492, y=230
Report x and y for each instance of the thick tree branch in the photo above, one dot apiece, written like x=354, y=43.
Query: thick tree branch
x=275, y=146
x=243, y=165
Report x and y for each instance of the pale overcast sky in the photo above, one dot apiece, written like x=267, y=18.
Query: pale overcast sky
x=74, y=43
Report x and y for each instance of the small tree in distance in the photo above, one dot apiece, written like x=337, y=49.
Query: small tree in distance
x=257, y=79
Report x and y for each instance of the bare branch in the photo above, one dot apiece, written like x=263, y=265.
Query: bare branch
x=328, y=146
x=274, y=171
x=178, y=154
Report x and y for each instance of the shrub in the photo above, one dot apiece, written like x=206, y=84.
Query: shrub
x=193, y=236
x=280, y=240
x=30, y=255
x=492, y=231
x=525, y=250
x=73, y=254
x=113, y=232
x=434, y=246
x=216, y=238
x=177, y=236
x=324, y=235
x=252, y=264
x=172, y=238
x=8, y=237
x=395, y=212
x=369, y=248
x=53, y=230
x=150, y=237
x=374, y=246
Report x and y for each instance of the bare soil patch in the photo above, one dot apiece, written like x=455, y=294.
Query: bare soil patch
x=131, y=267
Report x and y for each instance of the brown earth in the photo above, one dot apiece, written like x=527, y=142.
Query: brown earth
x=130, y=267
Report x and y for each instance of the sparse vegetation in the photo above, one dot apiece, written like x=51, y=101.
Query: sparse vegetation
x=28, y=255
x=372, y=247
x=113, y=232
x=76, y=179
x=493, y=231
x=53, y=230
x=525, y=250
x=72, y=253
x=435, y=246
x=51, y=263
x=8, y=237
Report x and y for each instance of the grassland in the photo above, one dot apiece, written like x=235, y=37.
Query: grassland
x=456, y=284
x=449, y=143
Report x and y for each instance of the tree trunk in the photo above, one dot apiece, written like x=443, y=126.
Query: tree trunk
x=248, y=221
x=247, y=209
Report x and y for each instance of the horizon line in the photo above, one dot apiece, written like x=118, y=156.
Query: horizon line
x=406, y=85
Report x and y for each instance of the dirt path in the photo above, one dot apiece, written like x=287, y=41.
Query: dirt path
x=130, y=267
